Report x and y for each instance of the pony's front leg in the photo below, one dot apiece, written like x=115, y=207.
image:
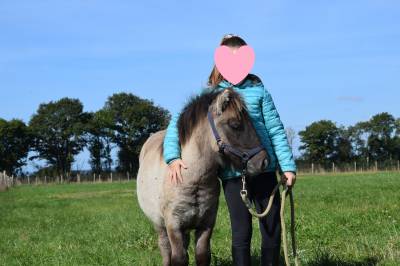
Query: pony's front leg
x=203, y=251
x=178, y=240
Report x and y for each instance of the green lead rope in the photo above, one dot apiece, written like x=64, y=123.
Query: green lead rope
x=286, y=191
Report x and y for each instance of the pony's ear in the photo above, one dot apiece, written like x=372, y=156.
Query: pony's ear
x=223, y=101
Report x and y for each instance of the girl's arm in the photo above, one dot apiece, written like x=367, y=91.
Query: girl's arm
x=172, y=151
x=171, y=145
x=277, y=134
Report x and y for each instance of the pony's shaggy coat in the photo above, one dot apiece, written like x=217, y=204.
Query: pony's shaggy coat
x=192, y=204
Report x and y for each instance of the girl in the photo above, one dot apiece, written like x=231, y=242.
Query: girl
x=269, y=127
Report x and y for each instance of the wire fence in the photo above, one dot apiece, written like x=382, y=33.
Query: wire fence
x=85, y=177
x=5, y=181
x=89, y=177
x=350, y=167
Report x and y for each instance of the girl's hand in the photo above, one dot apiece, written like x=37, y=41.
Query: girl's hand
x=290, y=178
x=174, y=171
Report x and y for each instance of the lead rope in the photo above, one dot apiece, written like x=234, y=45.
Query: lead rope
x=286, y=191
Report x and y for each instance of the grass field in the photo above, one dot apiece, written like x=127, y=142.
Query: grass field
x=341, y=220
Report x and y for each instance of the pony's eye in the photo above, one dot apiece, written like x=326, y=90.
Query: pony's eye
x=234, y=124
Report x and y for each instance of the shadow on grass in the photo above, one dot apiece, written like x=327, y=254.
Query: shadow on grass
x=326, y=259
x=323, y=259
x=255, y=260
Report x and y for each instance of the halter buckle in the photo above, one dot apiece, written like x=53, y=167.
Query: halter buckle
x=245, y=157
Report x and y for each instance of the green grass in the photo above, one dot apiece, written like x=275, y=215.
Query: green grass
x=341, y=220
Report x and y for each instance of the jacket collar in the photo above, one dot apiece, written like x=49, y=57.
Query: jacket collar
x=243, y=84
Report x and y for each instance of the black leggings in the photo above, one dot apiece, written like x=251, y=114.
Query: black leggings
x=259, y=190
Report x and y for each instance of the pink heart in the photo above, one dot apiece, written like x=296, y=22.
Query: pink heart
x=234, y=66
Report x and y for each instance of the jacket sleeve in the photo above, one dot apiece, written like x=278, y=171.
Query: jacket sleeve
x=277, y=134
x=171, y=145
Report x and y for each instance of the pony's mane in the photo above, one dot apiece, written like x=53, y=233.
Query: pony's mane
x=197, y=107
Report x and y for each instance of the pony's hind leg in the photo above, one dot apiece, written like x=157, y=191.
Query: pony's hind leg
x=179, y=240
x=165, y=247
x=203, y=251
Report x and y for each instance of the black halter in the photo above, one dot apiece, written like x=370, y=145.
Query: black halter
x=244, y=156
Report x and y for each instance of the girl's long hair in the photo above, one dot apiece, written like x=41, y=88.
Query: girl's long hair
x=229, y=40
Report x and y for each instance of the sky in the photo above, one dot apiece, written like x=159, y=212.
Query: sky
x=337, y=60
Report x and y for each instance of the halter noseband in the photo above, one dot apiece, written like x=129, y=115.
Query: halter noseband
x=244, y=156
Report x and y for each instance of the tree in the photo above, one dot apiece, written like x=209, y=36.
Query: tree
x=15, y=141
x=58, y=128
x=397, y=141
x=398, y=127
x=357, y=138
x=100, y=141
x=380, y=132
x=319, y=142
x=344, y=152
x=133, y=120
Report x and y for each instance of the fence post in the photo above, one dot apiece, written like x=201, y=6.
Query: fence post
x=45, y=179
x=111, y=177
x=355, y=167
x=127, y=173
x=398, y=165
x=29, y=180
x=333, y=167
x=376, y=166
x=312, y=168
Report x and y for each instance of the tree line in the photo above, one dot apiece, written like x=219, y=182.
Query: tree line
x=60, y=130
x=366, y=142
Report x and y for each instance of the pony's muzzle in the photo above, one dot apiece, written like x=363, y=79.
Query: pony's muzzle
x=258, y=163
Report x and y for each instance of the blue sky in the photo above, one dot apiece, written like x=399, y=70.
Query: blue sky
x=337, y=60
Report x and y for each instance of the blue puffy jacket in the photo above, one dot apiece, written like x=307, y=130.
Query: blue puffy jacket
x=265, y=119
